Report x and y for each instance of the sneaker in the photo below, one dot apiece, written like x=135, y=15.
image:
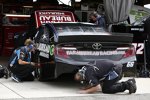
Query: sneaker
x=133, y=80
x=6, y=73
x=131, y=85
x=16, y=79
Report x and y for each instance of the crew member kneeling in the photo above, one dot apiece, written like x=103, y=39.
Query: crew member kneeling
x=103, y=75
x=20, y=62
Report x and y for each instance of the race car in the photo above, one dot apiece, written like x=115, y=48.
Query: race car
x=139, y=21
x=64, y=44
x=65, y=47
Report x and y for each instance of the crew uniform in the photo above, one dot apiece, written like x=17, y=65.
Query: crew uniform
x=107, y=73
x=21, y=72
x=97, y=19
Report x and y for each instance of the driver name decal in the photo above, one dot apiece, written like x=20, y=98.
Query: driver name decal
x=94, y=53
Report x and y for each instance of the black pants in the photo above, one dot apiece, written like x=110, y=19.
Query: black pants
x=113, y=86
x=23, y=72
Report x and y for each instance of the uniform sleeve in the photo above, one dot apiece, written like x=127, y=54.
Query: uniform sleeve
x=91, y=79
x=13, y=58
x=20, y=55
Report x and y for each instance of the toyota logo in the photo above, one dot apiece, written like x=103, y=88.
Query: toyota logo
x=96, y=46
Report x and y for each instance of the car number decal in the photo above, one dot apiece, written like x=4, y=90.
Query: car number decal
x=130, y=64
x=139, y=47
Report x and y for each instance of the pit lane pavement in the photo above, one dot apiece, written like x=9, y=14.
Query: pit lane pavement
x=64, y=90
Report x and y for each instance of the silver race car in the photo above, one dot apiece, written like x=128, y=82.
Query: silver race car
x=65, y=47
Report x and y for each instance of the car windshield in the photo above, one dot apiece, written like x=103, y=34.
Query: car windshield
x=138, y=14
x=77, y=28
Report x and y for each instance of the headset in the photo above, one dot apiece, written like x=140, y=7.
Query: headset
x=81, y=72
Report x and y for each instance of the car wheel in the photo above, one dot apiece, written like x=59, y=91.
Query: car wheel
x=46, y=71
x=38, y=71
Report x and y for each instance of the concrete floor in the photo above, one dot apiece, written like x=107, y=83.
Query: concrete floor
x=64, y=90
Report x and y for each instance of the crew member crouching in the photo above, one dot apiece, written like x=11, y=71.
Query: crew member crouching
x=20, y=63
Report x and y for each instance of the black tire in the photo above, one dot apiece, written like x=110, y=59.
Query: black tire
x=38, y=74
x=46, y=71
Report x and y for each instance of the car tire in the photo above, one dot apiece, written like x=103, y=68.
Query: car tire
x=46, y=72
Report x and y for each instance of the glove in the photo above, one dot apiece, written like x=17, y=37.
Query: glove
x=32, y=63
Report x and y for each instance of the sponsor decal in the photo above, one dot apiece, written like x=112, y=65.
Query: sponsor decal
x=51, y=16
x=46, y=55
x=94, y=53
x=43, y=47
x=51, y=50
x=137, y=29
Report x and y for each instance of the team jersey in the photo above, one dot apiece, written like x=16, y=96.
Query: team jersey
x=20, y=53
x=97, y=70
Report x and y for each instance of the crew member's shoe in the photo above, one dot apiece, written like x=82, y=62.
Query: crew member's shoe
x=131, y=85
x=15, y=78
x=7, y=73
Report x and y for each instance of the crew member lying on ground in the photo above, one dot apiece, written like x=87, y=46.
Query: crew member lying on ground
x=103, y=75
x=20, y=62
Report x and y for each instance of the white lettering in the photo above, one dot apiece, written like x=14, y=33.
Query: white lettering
x=130, y=64
x=137, y=29
x=48, y=19
x=94, y=53
x=44, y=54
x=139, y=47
x=43, y=47
x=51, y=13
